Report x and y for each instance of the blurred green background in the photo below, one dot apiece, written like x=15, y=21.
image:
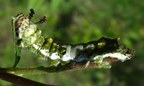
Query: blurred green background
x=76, y=21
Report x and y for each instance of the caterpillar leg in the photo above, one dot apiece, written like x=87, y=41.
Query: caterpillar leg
x=31, y=13
x=87, y=64
x=42, y=20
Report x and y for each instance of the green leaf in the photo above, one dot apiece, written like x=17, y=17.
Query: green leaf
x=17, y=55
x=17, y=48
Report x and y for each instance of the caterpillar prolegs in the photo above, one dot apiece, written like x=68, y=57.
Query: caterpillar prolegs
x=99, y=51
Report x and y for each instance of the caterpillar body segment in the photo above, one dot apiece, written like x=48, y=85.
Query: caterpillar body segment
x=29, y=36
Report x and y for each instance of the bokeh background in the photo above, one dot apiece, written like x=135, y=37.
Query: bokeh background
x=76, y=21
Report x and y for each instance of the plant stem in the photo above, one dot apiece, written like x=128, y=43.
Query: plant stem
x=52, y=69
x=20, y=81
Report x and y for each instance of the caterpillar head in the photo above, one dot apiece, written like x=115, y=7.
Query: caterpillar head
x=23, y=26
x=26, y=31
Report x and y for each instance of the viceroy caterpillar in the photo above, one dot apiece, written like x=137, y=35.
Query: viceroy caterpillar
x=29, y=36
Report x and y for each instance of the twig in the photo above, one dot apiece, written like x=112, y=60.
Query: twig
x=20, y=81
x=52, y=69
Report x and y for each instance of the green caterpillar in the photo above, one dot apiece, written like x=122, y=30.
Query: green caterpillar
x=29, y=36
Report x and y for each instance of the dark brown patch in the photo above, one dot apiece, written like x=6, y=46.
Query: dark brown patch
x=110, y=59
x=82, y=65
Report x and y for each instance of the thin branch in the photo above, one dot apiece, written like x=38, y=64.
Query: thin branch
x=53, y=69
x=20, y=81
x=7, y=73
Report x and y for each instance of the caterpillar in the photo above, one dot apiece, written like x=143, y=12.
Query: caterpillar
x=99, y=51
